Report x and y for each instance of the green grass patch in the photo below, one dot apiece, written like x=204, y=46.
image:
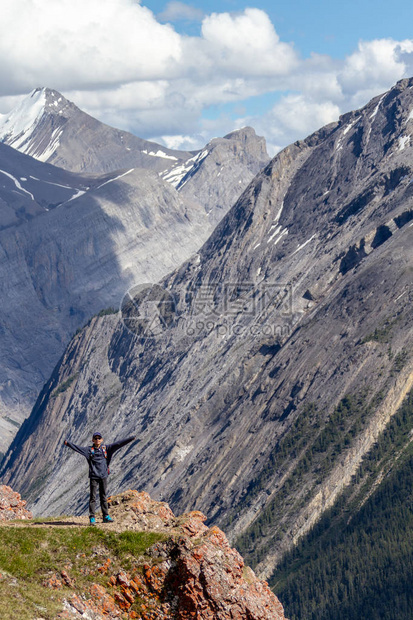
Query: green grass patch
x=65, y=385
x=30, y=555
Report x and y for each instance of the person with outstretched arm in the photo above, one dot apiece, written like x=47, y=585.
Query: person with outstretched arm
x=99, y=456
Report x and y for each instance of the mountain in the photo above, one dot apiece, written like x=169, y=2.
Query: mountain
x=52, y=129
x=71, y=245
x=357, y=561
x=148, y=564
x=41, y=189
x=158, y=232
x=260, y=373
x=217, y=175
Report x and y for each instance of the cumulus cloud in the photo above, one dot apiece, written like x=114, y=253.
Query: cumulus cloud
x=294, y=116
x=375, y=63
x=327, y=88
x=72, y=43
x=246, y=44
x=115, y=60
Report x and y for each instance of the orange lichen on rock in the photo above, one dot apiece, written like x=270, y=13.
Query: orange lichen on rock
x=53, y=582
x=105, y=567
x=12, y=506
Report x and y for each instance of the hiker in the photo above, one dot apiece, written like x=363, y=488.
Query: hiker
x=99, y=457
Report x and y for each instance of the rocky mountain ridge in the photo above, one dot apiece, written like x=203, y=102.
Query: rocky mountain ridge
x=107, y=233
x=52, y=129
x=190, y=572
x=280, y=353
x=217, y=175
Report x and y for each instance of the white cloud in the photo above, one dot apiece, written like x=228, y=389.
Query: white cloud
x=186, y=143
x=177, y=11
x=116, y=61
x=294, y=116
x=328, y=88
x=375, y=63
x=246, y=44
x=75, y=44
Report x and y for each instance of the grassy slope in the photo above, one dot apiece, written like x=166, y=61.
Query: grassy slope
x=30, y=554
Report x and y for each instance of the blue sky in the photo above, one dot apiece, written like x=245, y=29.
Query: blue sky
x=181, y=73
x=321, y=26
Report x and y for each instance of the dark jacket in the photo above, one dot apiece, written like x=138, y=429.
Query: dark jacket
x=98, y=463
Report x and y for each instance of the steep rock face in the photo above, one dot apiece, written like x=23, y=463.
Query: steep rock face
x=286, y=349
x=217, y=175
x=70, y=246
x=11, y=505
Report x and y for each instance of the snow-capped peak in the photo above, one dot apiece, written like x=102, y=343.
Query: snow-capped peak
x=17, y=128
x=22, y=118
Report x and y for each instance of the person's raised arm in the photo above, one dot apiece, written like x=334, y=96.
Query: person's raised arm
x=83, y=450
x=111, y=448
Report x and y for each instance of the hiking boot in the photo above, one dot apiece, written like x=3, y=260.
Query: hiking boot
x=92, y=520
x=107, y=519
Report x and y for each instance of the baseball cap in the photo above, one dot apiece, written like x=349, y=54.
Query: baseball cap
x=97, y=435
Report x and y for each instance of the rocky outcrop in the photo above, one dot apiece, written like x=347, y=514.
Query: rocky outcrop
x=200, y=576
x=192, y=573
x=12, y=506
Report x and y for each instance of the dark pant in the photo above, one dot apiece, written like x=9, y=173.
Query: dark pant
x=101, y=484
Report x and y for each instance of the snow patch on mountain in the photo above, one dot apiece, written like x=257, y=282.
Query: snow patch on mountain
x=23, y=118
x=376, y=109
x=17, y=184
x=160, y=154
x=403, y=142
x=116, y=178
x=48, y=152
x=17, y=128
x=181, y=173
x=300, y=247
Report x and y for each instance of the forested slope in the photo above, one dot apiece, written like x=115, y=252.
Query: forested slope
x=358, y=562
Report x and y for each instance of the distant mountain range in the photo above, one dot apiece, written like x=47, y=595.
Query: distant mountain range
x=54, y=130
x=72, y=243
